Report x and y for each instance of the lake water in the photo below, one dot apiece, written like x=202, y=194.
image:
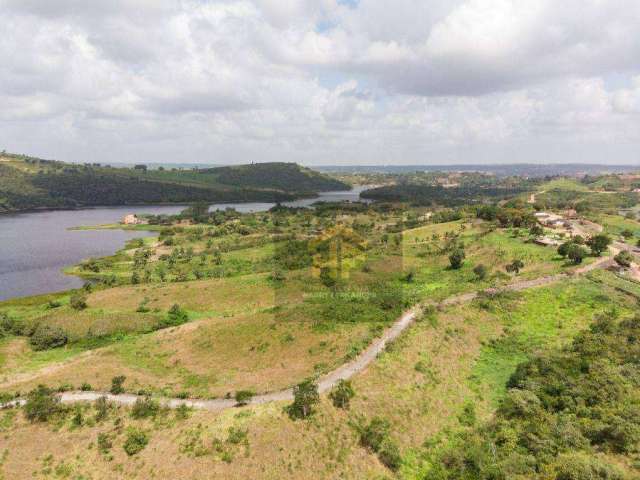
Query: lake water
x=35, y=247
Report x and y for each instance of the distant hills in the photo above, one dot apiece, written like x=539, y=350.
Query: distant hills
x=31, y=183
x=520, y=169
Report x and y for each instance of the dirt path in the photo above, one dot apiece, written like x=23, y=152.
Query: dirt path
x=344, y=372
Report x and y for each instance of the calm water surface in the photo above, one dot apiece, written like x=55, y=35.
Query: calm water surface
x=35, y=247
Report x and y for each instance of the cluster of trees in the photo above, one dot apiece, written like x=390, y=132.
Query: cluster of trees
x=562, y=408
x=438, y=195
x=574, y=248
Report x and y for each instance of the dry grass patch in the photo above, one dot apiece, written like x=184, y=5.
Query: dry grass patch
x=225, y=295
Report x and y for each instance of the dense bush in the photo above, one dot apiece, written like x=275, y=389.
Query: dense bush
x=117, y=384
x=41, y=404
x=136, y=441
x=78, y=301
x=47, y=336
x=243, y=397
x=342, y=394
x=145, y=408
x=561, y=408
x=375, y=437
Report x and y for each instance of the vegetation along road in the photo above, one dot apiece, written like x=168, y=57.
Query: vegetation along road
x=344, y=372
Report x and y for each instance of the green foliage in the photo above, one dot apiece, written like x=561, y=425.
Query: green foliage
x=624, y=258
x=243, y=397
x=515, y=266
x=104, y=442
x=78, y=301
x=135, y=442
x=480, y=271
x=145, y=408
x=562, y=407
x=305, y=397
x=41, y=404
x=46, y=337
x=456, y=258
x=342, y=394
x=117, y=384
x=576, y=253
x=102, y=407
x=57, y=184
x=175, y=316
x=599, y=243
x=375, y=436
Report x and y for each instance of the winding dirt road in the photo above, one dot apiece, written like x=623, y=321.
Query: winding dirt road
x=344, y=372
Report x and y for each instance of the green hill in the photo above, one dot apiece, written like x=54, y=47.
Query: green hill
x=29, y=183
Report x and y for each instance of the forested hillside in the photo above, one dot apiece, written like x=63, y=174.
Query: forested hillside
x=28, y=183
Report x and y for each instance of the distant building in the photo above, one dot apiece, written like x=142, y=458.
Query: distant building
x=131, y=219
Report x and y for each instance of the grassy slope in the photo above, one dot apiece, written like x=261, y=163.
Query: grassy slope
x=420, y=384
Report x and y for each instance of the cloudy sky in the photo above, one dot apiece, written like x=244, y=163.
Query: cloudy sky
x=322, y=81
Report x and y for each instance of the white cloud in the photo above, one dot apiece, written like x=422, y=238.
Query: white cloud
x=321, y=81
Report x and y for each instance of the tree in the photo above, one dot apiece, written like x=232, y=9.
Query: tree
x=563, y=249
x=456, y=258
x=305, y=396
x=515, y=266
x=342, y=394
x=624, y=259
x=576, y=253
x=41, y=404
x=480, y=271
x=598, y=243
x=117, y=384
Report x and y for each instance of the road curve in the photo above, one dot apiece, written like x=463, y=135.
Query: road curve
x=328, y=381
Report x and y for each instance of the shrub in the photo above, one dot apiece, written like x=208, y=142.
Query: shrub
x=624, y=259
x=456, y=258
x=135, y=442
x=237, y=435
x=342, y=394
x=145, y=408
x=626, y=233
x=243, y=397
x=104, y=442
x=117, y=384
x=389, y=455
x=86, y=387
x=41, y=404
x=480, y=271
x=374, y=434
x=515, y=267
x=305, y=397
x=102, y=409
x=176, y=316
x=78, y=301
x=47, y=336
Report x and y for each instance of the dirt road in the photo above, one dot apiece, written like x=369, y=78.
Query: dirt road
x=346, y=371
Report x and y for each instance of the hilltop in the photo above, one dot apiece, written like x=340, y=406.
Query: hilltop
x=31, y=183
